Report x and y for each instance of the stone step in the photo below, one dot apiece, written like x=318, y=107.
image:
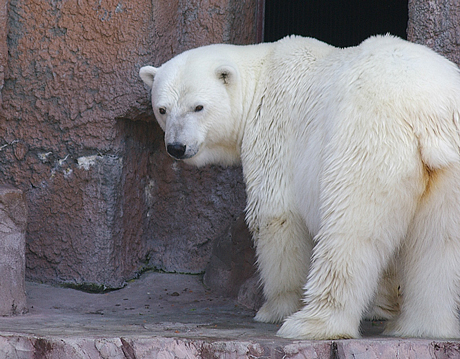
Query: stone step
x=13, y=222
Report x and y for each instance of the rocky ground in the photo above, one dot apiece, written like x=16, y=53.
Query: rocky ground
x=174, y=316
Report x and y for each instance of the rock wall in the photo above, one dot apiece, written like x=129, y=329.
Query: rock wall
x=3, y=43
x=78, y=137
x=435, y=23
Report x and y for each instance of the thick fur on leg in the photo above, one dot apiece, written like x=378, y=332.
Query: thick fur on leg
x=336, y=294
x=283, y=252
x=431, y=260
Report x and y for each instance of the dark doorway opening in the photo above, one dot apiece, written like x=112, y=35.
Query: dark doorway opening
x=337, y=22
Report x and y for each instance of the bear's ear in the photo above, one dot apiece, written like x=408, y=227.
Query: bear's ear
x=147, y=74
x=226, y=74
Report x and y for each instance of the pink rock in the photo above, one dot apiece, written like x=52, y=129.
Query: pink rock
x=13, y=222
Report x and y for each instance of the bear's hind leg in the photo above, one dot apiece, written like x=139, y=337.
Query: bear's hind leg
x=368, y=199
x=283, y=249
x=431, y=263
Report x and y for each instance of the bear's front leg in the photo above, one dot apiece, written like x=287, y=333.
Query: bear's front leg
x=342, y=281
x=283, y=249
x=332, y=309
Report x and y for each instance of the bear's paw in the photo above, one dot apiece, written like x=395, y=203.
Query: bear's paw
x=279, y=308
x=303, y=326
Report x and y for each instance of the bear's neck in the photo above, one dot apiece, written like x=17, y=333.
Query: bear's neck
x=265, y=157
x=274, y=114
x=251, y=61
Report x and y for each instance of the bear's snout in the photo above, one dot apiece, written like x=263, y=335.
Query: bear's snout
x=176, y=150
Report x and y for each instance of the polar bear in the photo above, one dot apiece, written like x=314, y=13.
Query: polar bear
x=351, y=160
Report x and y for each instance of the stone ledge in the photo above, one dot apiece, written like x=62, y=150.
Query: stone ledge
x=20, y=346
x=13, y=222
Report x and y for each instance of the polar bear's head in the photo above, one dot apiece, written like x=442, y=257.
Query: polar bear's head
x=196, y=100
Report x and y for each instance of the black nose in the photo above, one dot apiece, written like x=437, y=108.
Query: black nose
x=176, y=150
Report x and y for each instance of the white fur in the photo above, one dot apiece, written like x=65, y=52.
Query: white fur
x=352, y=164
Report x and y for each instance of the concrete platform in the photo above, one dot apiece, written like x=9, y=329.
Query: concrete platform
x=173, y=316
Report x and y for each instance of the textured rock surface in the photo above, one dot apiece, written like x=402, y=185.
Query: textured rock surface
x=163, y=347
x=231, y=270
x=3, y=43
x=232, y=260
x=13, y=222
x=435, y=23
x=77, y=136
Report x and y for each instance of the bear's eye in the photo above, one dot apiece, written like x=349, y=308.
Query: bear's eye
x=162, y=110
x=198, y=108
